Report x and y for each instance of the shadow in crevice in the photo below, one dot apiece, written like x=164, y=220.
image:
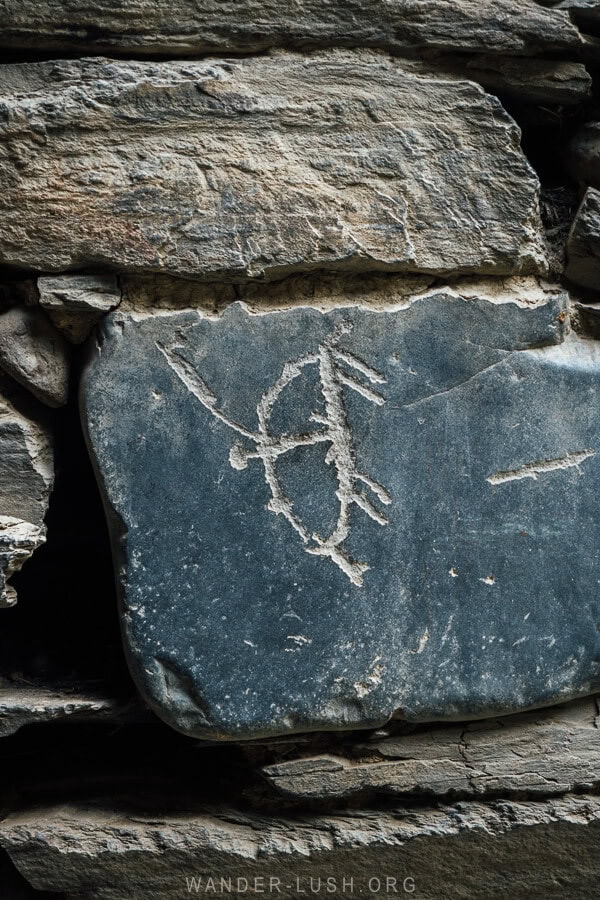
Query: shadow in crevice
x=65, y=628
x=14, y=887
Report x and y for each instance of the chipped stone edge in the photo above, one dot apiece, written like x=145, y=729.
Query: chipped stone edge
x=522, y=291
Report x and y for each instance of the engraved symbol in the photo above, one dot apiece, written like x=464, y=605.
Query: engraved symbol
x=333, y=363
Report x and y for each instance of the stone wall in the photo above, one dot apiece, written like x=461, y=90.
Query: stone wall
x=299, y=448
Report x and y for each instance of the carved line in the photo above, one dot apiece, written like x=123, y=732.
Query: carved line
x=532, y=470
x=268, y=448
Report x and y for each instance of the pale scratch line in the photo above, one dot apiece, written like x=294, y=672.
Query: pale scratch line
x=198, y=387
x=361, y=389
x=372, y=511
x=377, y=488
x=532, y=470
x=351, y=360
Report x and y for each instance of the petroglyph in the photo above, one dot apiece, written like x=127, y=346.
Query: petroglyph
x=338, y=369
x=541, y=467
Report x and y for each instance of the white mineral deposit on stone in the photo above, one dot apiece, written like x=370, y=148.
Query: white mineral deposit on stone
x=337, y=431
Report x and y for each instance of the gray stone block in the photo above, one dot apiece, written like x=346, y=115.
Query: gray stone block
x=528, y=80
x=111, y=847
x=323, y=519
x=75, y=303
x=190, y=27
x=549, y=751
x=583, y=246
x=23, y=704
x=261, y=166
x=35, y=354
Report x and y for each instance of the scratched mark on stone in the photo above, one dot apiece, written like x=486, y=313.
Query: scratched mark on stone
x=338, y=370
x=541, y=467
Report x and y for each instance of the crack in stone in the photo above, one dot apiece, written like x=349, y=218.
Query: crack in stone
x=506, y=353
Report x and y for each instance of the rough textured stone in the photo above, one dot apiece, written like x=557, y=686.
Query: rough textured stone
x=18, y=540
x=75, y=303
x=547, y=752
x=189, y=27
x=109, y=849
x=26, y=477
x=262, y=165
x=148, y=294
x=22, y=705
x=587, y=318
x=583, y=248
x=530, y=80
x=585, y=14
x=13, y=884
x=35, y=354
x=400, y=547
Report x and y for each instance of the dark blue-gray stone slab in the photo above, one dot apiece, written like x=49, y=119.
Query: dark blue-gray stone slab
x=321, y=519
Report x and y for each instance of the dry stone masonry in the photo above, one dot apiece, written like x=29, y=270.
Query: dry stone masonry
x=299, y=448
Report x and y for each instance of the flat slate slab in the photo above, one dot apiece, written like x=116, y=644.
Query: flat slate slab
x=191, y=27
x=321, y=519
x=261, y=166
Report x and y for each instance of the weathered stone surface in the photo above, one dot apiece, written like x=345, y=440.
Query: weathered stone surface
x=75, y=303
x=22, y=705
x=530, y=80
x=265, y=165
x=189, y=27
x=26, y=478
x=587, y=319
x=148, y=294
x=583, y=248
x=13, y=884
x=585, y=14
x=35, y=354
x=324, y=518
x=109, y=850
x=547, y=752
